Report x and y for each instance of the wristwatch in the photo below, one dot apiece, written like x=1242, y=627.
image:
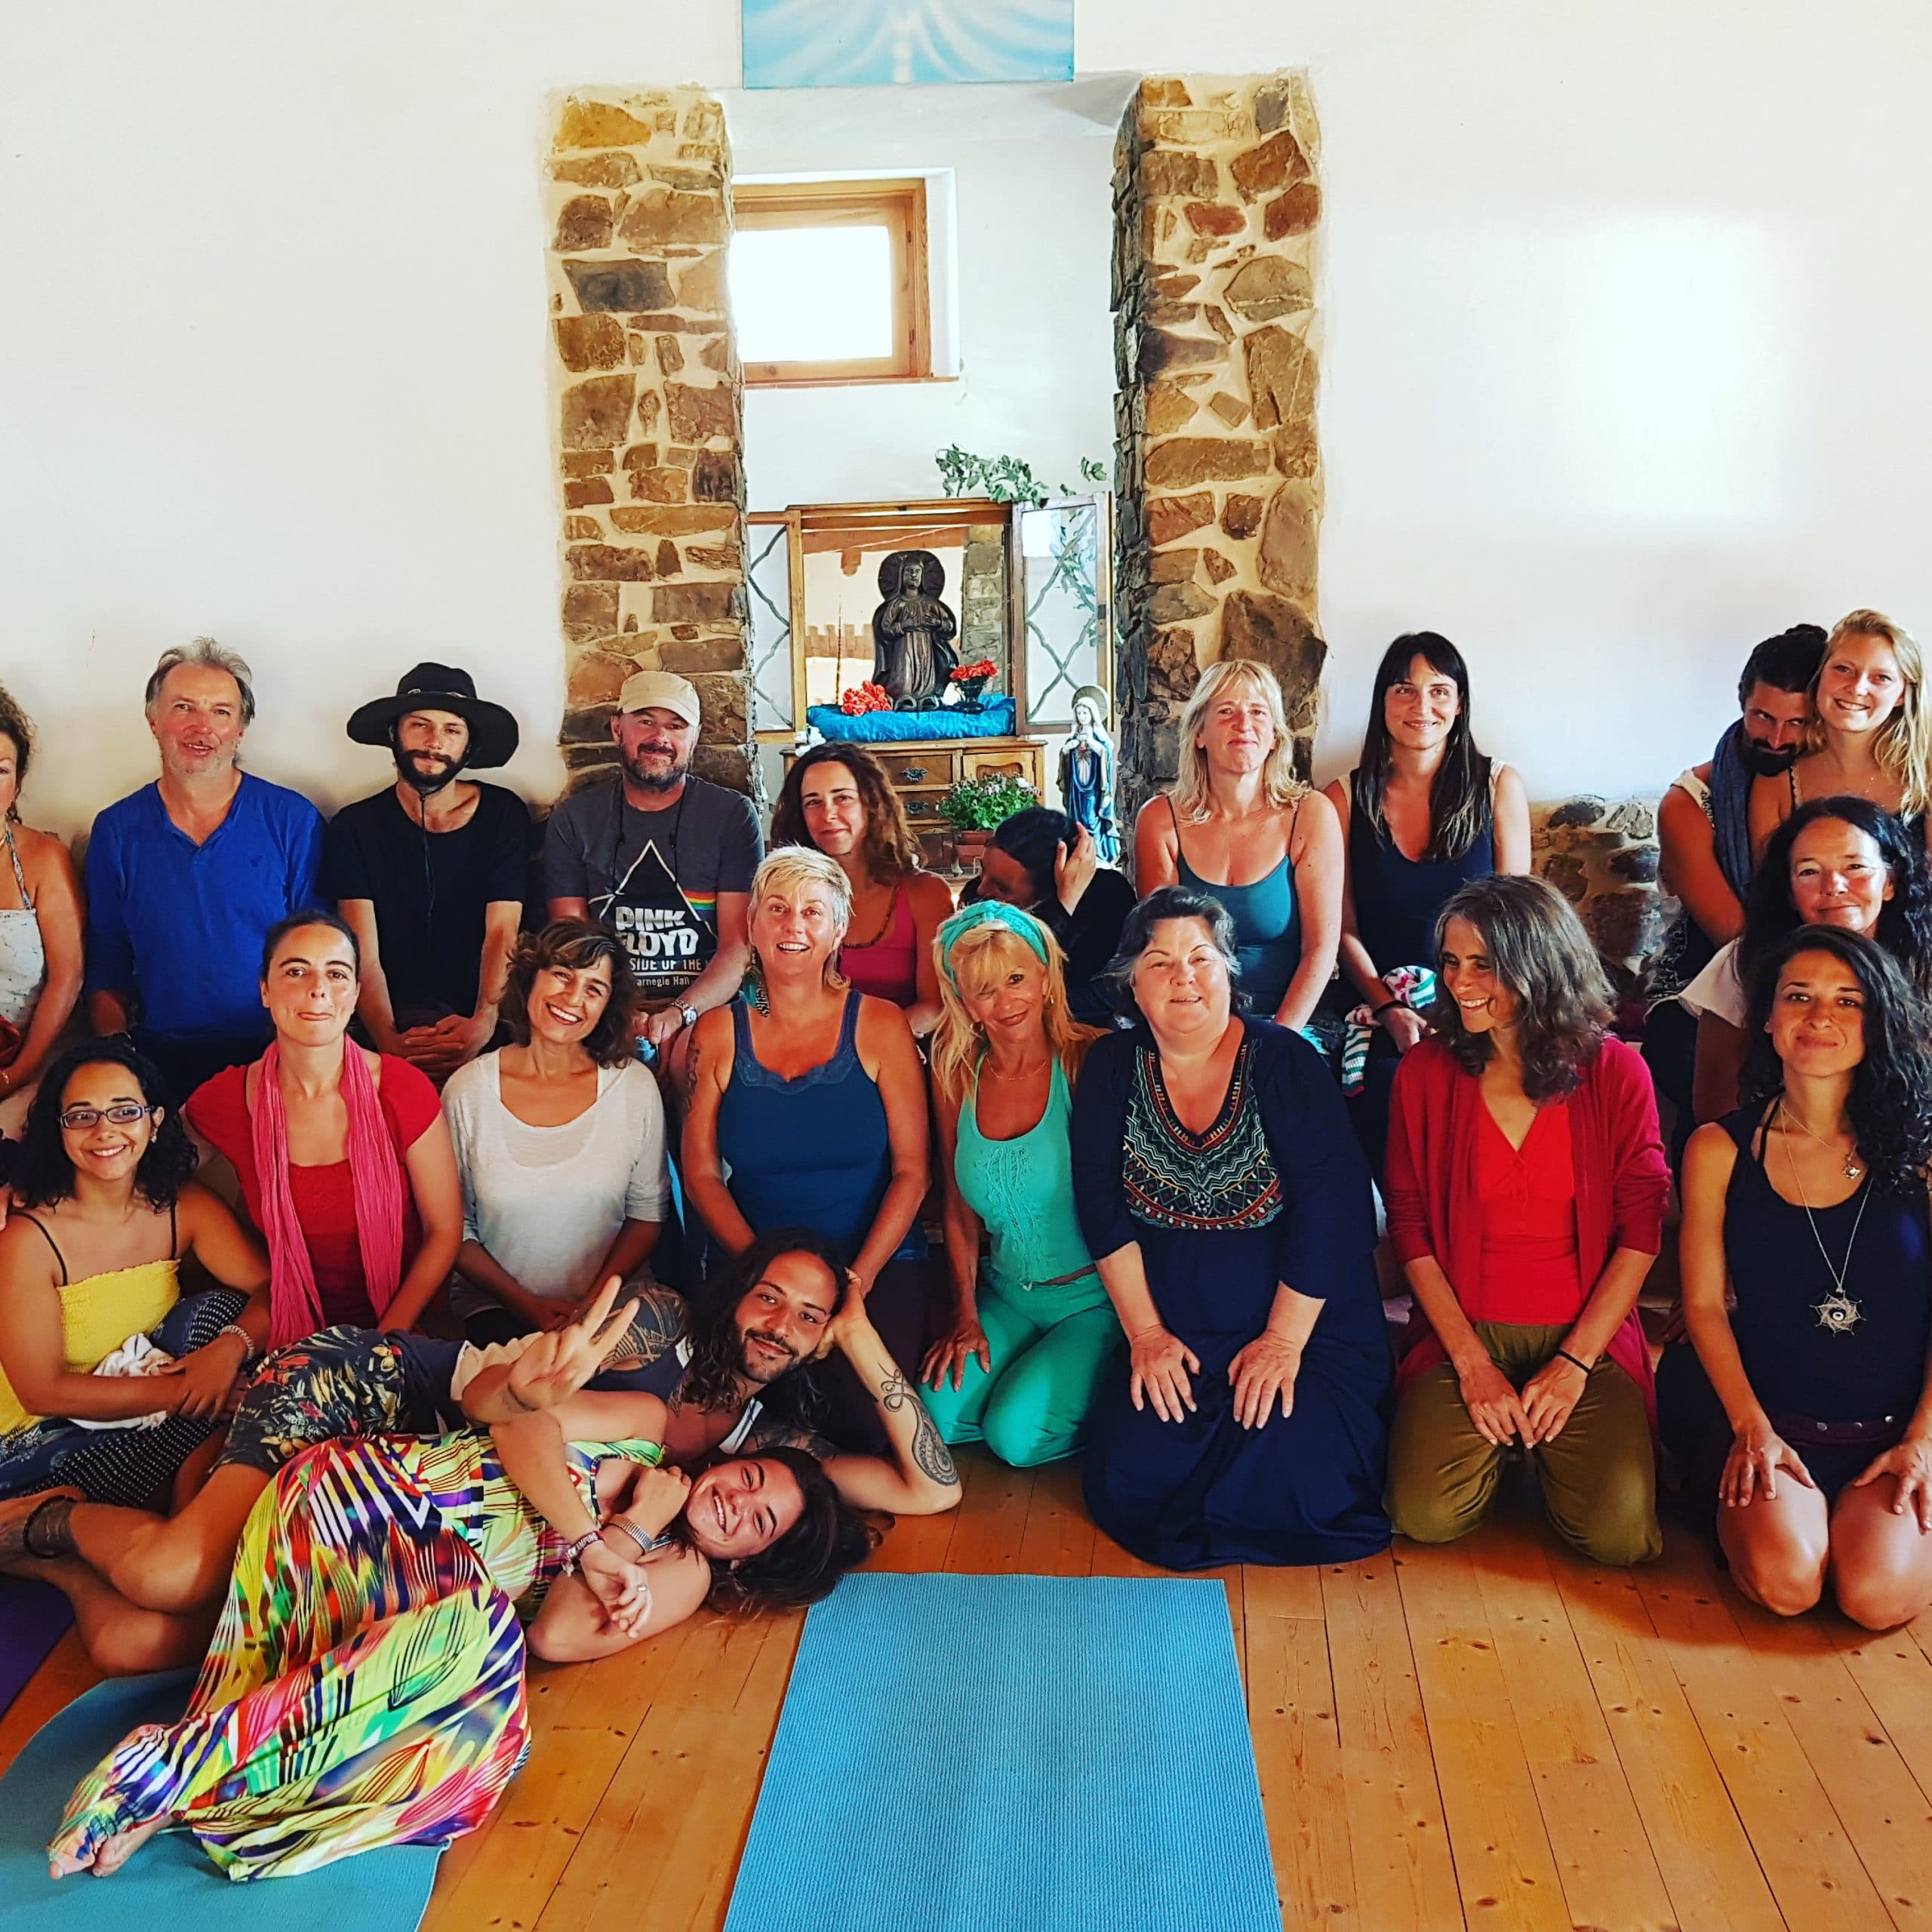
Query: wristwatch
x=688, y=1014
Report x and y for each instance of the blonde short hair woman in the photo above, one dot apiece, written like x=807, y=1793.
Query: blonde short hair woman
x=816, y=1105
x=1033, y=1332
x=1239, y=824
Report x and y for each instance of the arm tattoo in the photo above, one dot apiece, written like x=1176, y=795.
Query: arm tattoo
x=690, y=1071
x=929, y=1451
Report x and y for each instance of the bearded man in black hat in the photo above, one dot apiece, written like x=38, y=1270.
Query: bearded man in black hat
x=430, y=872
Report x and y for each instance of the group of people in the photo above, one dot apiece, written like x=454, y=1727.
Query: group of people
x=559, y=1275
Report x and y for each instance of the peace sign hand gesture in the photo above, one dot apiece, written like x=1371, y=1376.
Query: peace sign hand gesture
x=555, y=1365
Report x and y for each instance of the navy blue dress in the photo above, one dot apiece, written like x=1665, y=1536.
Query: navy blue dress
x=1276, y=1190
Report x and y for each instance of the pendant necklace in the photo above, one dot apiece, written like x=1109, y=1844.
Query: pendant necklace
x=1838, y=1313
x=1851, y=1170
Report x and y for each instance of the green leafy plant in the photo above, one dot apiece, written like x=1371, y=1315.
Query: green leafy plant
x=979, y=804
x=1003, y=479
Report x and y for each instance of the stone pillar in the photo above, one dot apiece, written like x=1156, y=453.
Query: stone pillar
x=1217, y=468
x=649, y=418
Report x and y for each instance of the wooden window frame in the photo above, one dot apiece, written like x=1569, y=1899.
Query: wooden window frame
x=899, y=207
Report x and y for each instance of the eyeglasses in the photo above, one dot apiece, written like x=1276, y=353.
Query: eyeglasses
x=78, y=1119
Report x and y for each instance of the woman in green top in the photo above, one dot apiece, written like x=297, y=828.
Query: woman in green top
x=1033, y=1330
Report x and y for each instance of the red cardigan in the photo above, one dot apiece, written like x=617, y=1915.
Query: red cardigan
x=1623, y=1180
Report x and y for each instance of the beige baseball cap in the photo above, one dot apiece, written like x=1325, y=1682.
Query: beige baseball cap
x=663, y=691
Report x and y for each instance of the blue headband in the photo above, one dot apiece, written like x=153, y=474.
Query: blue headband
x=989, y=912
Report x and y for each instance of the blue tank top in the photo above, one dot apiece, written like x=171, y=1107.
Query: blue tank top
x=1397, y=899
x=1021, y=1189
x=812, y=1152
x=1805, y=1354
x=1267, y=923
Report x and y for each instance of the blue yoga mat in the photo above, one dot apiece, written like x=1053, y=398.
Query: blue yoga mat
x=169, y=1883
x=1047, y=1754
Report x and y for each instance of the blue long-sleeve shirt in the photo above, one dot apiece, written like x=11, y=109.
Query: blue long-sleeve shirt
x=180, y=925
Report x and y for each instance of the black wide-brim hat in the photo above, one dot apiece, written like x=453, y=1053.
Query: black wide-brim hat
x=493, y=732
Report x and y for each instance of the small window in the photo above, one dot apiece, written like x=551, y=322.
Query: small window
x=828, y=282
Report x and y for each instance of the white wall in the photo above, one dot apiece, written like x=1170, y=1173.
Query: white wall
x=1624, y=305
x=1032, y=213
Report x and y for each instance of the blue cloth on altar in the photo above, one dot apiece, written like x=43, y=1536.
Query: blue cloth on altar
x=995, y=718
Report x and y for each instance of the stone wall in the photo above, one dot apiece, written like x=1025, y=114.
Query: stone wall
x=648, y=418
x=1216, y=467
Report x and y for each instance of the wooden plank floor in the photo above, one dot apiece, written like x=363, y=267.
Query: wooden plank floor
x=1494, y=1735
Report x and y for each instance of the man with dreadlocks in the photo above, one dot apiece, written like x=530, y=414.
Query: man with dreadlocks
x=739, y=1379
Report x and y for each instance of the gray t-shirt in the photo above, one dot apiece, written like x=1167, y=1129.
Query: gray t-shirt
x=655, y=876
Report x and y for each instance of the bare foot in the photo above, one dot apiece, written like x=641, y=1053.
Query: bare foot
x=16, y=1512
x=116, y=1851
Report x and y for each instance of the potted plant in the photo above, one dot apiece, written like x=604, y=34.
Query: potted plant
x=976, y=808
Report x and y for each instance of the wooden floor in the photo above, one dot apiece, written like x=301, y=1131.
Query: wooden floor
x=1489, y=1736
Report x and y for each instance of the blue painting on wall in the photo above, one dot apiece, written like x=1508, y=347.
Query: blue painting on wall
x=885, y=43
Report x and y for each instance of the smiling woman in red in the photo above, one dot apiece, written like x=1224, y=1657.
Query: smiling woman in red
x=1526, y=1195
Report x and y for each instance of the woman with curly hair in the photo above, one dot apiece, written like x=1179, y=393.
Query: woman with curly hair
x=559, y=1140
x=40, y=927
x=1841, y=862
x=1033, y=1331
x=365, y=1686
x=104, y=1214
x=1526, y=1194
x=838, y=799
x=1808, y=1206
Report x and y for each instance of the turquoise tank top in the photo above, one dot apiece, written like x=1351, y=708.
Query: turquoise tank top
x=1021, y=1189
x=1267, y=925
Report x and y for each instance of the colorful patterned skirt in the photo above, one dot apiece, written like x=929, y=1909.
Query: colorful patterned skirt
x=365, y=1686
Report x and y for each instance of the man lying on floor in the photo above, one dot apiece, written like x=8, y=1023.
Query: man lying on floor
x=738, y=1381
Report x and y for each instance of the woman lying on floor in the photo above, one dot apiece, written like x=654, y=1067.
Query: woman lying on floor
x=147, y=1587
x=365, y=1683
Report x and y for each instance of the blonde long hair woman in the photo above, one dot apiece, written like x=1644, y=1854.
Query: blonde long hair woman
x=1871, y=731
x=1240, y=825
x=1033, y=1332
x=817, y=1107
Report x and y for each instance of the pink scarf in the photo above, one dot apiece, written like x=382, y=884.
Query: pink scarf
x=375, y=1178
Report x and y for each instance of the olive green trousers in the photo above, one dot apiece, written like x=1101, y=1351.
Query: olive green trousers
x=1598, y=1476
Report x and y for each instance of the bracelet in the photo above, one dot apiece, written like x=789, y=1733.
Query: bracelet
x=247, y=1346
x=1574, y=1362
x=576, y=1549
x=1376, y=1012
x=644, y=1545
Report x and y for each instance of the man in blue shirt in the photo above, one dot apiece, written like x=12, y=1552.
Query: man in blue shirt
x=185, y=876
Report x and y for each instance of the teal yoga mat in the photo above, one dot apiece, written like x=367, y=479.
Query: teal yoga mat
x=1045, y=1754
x=169, y=1883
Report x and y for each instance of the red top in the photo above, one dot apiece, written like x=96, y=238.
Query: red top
x=889, y=967
x=1529, y=1268
x=217, y=1110
x=1434, y=1196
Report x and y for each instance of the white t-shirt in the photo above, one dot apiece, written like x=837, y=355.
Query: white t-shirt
x=546, y=1202
x=1718, y=990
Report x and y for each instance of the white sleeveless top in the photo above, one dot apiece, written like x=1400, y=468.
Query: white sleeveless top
x=23, y=954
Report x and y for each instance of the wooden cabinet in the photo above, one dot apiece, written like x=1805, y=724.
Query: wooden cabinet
x=922, y=773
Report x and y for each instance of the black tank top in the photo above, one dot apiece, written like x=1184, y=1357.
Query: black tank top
x=1802, y=1358
x=1397, y=899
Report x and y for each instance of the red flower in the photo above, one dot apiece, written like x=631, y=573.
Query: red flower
x=986, y=668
